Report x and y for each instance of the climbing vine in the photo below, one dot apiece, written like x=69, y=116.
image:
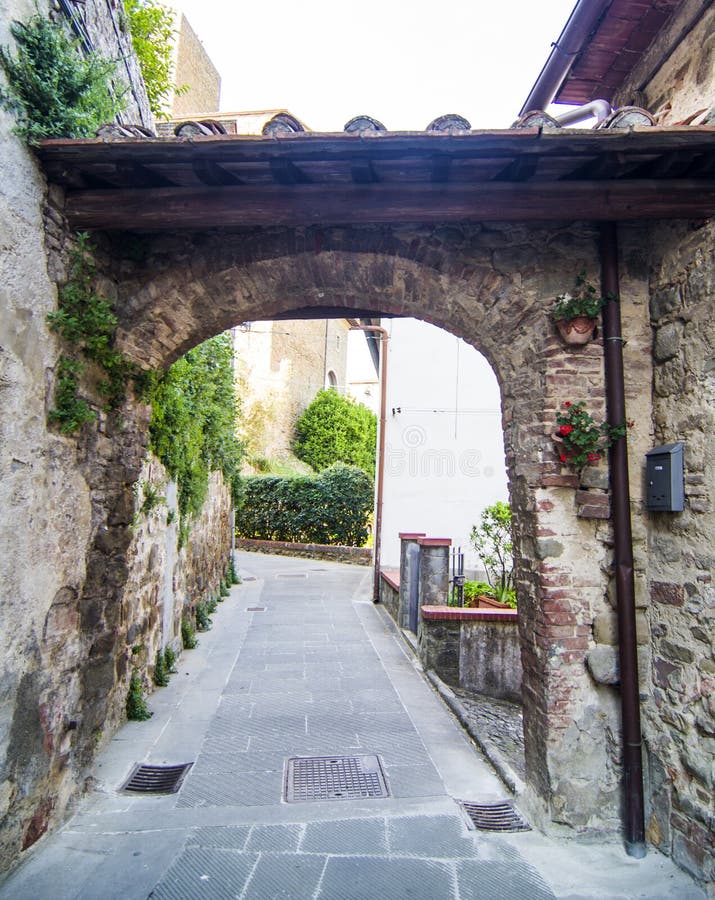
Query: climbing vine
x=87, y=323
x=53, y=89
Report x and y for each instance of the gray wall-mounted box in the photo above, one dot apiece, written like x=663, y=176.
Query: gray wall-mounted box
x=664, y=478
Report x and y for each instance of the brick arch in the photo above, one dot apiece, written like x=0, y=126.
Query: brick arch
x=493, y=288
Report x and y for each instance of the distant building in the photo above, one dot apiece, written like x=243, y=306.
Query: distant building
x=281, y=366
x=444, y=449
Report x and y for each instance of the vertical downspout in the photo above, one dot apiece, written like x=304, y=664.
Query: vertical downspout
x=623, y=539
x=380, y=476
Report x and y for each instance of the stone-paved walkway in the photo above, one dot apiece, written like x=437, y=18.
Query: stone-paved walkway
x=500, y=723
x=300, y=663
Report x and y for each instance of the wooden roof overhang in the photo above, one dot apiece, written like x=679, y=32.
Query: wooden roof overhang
x=225, y=181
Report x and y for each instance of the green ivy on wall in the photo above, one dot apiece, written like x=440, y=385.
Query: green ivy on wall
x=194, y=416
x=53, y=89
x=87, y=324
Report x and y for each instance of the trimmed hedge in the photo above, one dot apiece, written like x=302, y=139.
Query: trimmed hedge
x=330, y=508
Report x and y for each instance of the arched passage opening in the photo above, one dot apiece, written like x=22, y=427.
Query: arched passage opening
x=492, y=287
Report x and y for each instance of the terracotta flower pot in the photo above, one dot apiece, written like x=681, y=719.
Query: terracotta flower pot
x=576, y=331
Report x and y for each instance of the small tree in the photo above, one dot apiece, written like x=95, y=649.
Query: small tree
x=334, y=429
x=492, y=541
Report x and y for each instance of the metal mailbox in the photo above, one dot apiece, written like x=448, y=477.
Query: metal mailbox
x=664, y=478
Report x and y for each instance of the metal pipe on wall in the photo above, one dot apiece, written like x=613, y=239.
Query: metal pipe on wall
x=380, y=475
x=623, y=548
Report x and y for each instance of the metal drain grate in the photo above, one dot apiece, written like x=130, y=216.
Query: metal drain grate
x=287, y=575
x=495, y=816
x=334, y=778
x=156, y=779
x=255, y=609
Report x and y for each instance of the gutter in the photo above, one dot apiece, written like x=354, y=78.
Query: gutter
x=581, y=23
x=623, y=549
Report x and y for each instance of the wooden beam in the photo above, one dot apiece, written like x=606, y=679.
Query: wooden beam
x=362, y=172
x=520, y=169
x=441, y=165
x=213, y=174
x=160, y=208
x=286, y=173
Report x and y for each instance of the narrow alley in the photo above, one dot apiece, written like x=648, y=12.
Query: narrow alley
x=300, y=663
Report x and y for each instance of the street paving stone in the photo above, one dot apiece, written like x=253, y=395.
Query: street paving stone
x=321, y=672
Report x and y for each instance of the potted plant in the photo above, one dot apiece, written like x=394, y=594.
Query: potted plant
x=576, y=313
x=492, y=541
x=580, y=441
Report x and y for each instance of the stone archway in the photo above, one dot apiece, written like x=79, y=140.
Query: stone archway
x=492, y=287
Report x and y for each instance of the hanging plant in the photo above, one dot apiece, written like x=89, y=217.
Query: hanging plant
x=580, y=440
x=576, y=313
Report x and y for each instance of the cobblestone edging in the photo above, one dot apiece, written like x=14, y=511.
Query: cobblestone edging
x=359, y=556
x=484, y=719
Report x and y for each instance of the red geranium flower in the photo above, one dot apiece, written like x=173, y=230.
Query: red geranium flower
x=566, y=429
x=563, y=457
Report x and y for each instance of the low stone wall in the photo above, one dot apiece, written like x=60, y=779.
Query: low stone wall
x=359, y=556
x=475, y=649
x=390, y=593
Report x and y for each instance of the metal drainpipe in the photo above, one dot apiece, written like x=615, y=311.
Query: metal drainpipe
x=623, y=540
x=596, y=109
x=379, y=480
x=565, y=50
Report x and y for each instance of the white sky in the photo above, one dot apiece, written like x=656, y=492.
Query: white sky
x=404, y=63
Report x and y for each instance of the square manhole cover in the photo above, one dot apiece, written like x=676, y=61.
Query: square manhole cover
x=146, y=779
x=334, y=778
x=495, y=816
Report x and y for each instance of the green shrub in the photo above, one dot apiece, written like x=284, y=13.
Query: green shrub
x=161, y=674
x=188, y=634
x=231, y=574
x=170, y=661
x=336, y=429
x=474, y=589
x=53, y=88
x=203, y=622
x=137, y=710
x=330, y=508
x=211, y=605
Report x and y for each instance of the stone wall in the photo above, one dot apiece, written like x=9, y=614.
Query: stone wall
x=676, y=592
x=193, y=70
x=680, y=711
x=358, y=556
x=281, y=367
x=82, y=579
x=675, y=78
x=474, y=649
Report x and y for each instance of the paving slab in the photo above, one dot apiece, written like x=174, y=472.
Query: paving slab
x=320, y=671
